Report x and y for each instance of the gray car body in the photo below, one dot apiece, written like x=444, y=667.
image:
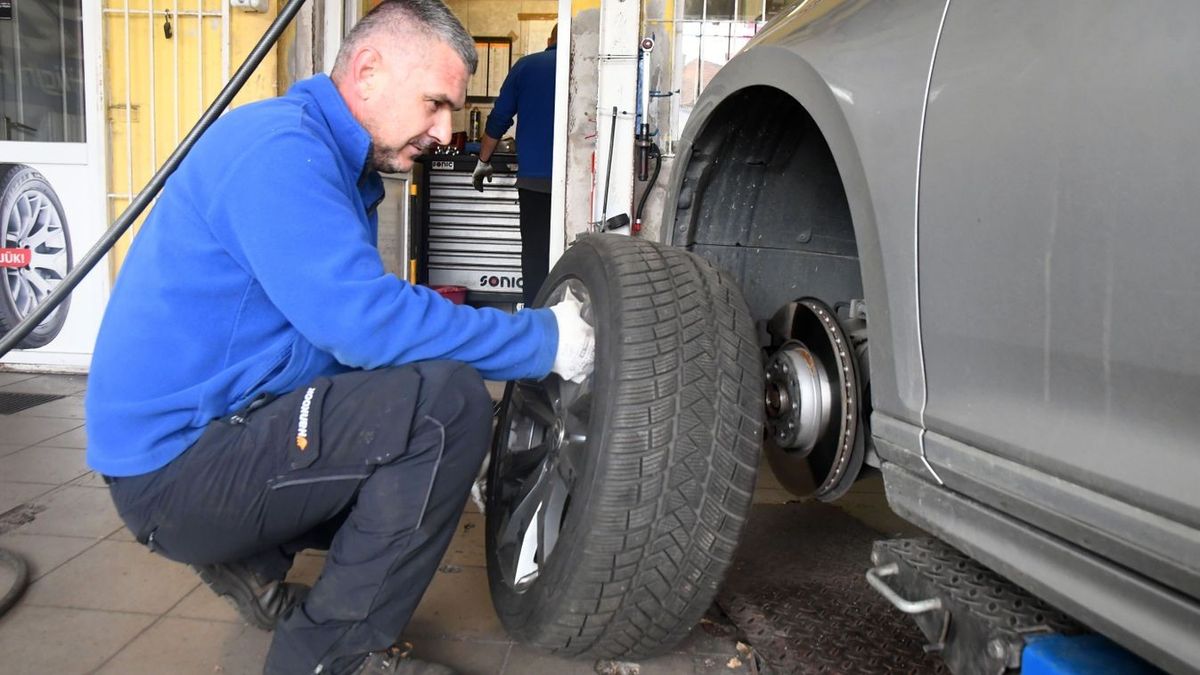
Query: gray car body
x=1021, y=187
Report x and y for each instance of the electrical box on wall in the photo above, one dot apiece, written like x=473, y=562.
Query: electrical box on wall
x=250, y=5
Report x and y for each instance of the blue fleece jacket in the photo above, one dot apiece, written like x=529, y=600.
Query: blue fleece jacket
x=528, y=93
x=256, y=272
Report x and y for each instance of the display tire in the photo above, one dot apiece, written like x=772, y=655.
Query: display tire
x=17, y=180
x=664, y=486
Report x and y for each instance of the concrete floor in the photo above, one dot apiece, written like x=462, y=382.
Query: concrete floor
x=101, y=603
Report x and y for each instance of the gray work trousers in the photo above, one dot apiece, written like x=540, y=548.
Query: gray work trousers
x=374, y=465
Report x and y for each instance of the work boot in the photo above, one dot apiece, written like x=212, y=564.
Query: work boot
x=261, y=602
x=396, y=660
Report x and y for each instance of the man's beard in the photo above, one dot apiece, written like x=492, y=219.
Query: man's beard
x=387, y=159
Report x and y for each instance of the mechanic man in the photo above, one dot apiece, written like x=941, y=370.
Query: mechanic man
x=260, y=385
x=528, y=93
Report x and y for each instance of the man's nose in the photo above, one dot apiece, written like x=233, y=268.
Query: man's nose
x=442, y=126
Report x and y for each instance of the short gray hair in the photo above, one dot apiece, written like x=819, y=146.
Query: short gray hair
x=429, y=18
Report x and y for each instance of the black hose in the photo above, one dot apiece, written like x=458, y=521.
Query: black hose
x=612, y=142
x=148, y=193
x=20, y=571
x=650, y=184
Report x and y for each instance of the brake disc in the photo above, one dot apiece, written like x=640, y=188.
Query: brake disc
x=814, y=397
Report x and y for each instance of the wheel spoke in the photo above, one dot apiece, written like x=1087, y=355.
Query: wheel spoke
x=30, y=297
x=523, y=433
x=52, y=266
x=508, y=554
x=39, y=285
x=571, y=458
x=522, y=463
x=20, y=216
x=41, y=236
x=531, y=400
x=526, y=504
x=12, y=226
x=550, y=517
x=21, y=293
x=514, y=535
x=579, y=402
x=29, y=217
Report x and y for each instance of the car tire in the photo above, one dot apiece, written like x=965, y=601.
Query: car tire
x=657, y=453
x=29, y=206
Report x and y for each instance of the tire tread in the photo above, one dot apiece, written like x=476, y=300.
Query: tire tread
x=682, y=456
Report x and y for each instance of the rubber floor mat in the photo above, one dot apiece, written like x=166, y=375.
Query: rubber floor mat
x=15, y=401
x=798, y=594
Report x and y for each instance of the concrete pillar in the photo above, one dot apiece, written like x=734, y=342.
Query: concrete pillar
x=581, y=121
x=658, y=14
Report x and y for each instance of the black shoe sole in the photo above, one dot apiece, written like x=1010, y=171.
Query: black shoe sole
x=239, y=595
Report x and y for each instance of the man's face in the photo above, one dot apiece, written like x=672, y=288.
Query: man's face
x=408, y=101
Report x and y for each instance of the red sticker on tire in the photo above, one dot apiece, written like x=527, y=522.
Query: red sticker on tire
x=15, y=257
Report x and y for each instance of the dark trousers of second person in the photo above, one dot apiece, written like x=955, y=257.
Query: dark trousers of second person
x=377, y=463
x=535, y=241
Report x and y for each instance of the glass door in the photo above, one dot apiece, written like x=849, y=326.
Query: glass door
x=51, y=180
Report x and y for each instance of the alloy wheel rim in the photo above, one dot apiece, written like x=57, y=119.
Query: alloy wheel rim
x=540, y=461
x=33, y=222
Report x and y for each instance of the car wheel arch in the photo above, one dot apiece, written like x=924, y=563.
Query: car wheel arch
x=770, y=67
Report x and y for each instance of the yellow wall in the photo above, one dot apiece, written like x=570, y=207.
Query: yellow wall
x=154, y=98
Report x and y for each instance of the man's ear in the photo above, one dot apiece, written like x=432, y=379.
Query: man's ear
x=365, y=71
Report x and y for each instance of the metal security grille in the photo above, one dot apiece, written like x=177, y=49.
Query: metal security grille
x=165, y=60
x=15, y=401
x=699, y=38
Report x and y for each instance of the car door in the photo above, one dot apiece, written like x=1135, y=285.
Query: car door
x=1058, y=279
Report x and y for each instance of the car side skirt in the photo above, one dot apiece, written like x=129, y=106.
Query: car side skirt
x=1154, y=621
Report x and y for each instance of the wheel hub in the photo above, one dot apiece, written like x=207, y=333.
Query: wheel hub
x=558, y=434
x=798, y=398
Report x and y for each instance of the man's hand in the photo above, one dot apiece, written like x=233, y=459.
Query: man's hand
x=482, y=170
x=576, y=353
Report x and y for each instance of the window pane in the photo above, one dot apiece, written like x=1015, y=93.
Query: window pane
x=702, y=48
x=478, y=84
x=41, y=72
x=774, y=7
x=495, y=58
x=719, y=10
x=750, y=10
x=498, y=63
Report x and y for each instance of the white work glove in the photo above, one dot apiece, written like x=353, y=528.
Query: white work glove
x=576, y=352
x=482, y=170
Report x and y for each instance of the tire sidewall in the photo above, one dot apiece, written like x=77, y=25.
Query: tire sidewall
x=15, y=179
